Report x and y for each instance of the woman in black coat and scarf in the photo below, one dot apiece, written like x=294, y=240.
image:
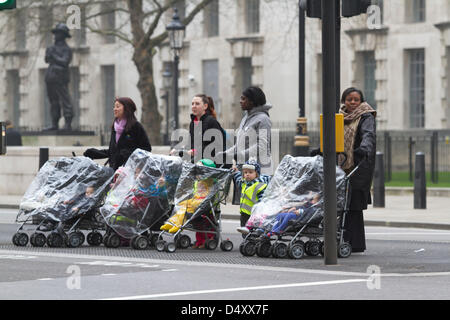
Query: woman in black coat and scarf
x=127, y=135
x=204, y=118
x=360, y=148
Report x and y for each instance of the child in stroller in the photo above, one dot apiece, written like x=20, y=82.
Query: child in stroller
x=289, y=215
x=64, y=196
x=200, y=190
x=140, y=199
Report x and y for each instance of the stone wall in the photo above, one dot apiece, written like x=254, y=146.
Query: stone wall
x=21, y=164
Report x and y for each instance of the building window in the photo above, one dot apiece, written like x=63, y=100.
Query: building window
x=211, y=80
x=80, y=34
x=370, y=84
x=415, y=11
x=109, y=91
x=447, y=111
x=416, y=62
x=21, y=27
x=46, y=24
x=252, y=16
x=419, y=10
x=211, y=18
x=379, y=3
x=108, y=20
x=74, y=91
x=13, y=96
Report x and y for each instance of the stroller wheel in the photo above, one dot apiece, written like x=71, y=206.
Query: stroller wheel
x=211, y=244
x=279, y=250
x=321, y=249
x=37, y=239
x=140, y=243
x=20, y=239
x=184, y=241
x=160, y=245
x=170, y=247
x=75, y=239
x=248, y=248
x=55, y=240
x=344, y=250
x=94, y=238
x=263, y=249
x=312, y=248
x=226, y=245
x=153, y=239
x=296, y=250
x=113, y=241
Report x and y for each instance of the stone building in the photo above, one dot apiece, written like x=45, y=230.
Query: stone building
x=400, y=58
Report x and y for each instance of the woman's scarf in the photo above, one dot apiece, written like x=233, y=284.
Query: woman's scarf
x=119, y=126
x=351, y=122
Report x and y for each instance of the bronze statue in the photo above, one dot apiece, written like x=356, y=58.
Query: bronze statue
x=59, y=56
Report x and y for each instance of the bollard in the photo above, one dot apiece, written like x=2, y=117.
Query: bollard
x=420, y=183
x=378, y=182
x=43, y=156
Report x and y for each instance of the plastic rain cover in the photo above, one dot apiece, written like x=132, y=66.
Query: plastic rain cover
x=141, y=196
x=198, y=187
x=65, y=188
x=296, y=184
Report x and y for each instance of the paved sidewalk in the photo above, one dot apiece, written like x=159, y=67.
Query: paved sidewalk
x=399, y=212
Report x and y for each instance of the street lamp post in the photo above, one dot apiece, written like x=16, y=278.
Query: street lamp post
x=301, y=142
x=176, y=35
x=167, y=81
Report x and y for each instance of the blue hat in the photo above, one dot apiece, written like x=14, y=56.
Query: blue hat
x=252, y=165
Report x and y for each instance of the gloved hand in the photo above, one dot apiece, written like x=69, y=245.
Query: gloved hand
x=315, y=152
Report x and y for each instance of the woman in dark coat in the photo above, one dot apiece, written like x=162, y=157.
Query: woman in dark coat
x=360, y=148
x=204, y=115
x=127, y=135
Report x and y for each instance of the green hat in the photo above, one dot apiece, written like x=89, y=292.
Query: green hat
x=207, y=163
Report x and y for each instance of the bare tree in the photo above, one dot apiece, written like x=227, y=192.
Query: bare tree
x=141, y=26
x=145, y=16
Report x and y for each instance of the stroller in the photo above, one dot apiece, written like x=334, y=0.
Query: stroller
x=140, y=199
x=63, y=199
x=199, y=192
x=287, y=222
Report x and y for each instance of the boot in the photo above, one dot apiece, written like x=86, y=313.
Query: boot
x=53, y=127
x=67, y=124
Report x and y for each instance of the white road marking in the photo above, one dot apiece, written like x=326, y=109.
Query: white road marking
x=16, y=257
x=169, y=270
x=227, y=266
x=109, y=274
x=45, y=279
x=268, y=287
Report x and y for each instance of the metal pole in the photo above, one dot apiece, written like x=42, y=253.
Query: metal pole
x=43, y=156
x=329, y=127
x=301, y=62
x=301, y=141
x=175, y=91
x=420, y=184
x=378, y=182
x=338, y=54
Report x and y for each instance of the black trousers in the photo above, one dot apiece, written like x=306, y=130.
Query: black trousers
x=58, y=95
x=354, y=231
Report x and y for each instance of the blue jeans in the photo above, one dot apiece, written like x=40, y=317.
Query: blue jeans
x=282, y=221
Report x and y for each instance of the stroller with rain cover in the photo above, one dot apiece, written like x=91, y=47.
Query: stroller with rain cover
x=200, y=191
x=288, y=220
x=63, y=199
x=140, y=199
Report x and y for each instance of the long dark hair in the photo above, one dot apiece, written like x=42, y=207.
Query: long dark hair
x=350, y=90
x=209, y=101
x=129, y=108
